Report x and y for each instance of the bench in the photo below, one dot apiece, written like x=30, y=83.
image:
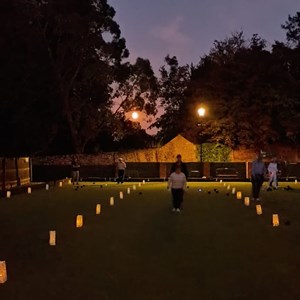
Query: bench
x=227, y=173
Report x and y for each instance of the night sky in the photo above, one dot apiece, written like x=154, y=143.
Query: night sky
x=188, y=28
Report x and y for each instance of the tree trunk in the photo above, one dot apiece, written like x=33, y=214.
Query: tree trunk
x=75, y=138
x=74, y=135
x=65, y=96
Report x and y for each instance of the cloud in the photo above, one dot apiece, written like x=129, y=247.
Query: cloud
x=171, y=33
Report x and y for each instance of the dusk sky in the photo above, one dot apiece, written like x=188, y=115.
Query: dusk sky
x=188, y=28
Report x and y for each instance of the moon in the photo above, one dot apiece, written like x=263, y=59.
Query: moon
x=134, y=115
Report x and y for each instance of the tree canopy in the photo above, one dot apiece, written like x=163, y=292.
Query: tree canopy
x=251, y=94
x=173, y=83
x=62, y=59
x=67, y=84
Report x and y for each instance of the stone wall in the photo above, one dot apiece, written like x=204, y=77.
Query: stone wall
x=242, y=154
x=167, y=153
x=143, y=155
x=105, y=158
x=283, y=153
x=164, y=154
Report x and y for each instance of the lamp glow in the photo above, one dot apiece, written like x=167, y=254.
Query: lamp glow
x=3, y=274
x=111, y=201
x=238, y=195
x=275, y=220
x=258, y=209
x=201, y=112
x=52, y=237
x=79, y=221
x=98, y=209
x=247, y=201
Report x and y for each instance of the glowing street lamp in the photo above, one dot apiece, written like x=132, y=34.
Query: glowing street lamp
x=201, y=114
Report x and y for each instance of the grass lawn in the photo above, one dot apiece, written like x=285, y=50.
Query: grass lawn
x=217, y=248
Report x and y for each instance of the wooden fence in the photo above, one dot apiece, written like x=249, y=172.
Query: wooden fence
x=14, y=172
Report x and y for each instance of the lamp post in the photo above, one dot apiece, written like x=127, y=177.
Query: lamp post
x=201, y=114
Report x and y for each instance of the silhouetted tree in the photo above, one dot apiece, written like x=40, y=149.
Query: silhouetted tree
x=30, y=110
x=68, y=51
x=173, y=83
x=292, y=27
x=238, y=81
x=136, y=89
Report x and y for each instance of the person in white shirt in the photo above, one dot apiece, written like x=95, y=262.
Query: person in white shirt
x=120, y=168
x=273, y=170
x=177, y=183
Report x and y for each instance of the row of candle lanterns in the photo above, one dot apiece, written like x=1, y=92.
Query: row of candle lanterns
x=52, y=233
x=79, y=218
x=79, y=221
x=275, y=217
x=29, y=190
x=9, y=194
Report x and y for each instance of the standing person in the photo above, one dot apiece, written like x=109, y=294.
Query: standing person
x=273, y=170
x=120, y=166
x=181, y=164
x=257, y=177
x=177, y=183
x=75, y=170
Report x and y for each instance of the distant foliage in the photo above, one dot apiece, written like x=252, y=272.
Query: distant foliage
x=213, y=152
x=252, y=94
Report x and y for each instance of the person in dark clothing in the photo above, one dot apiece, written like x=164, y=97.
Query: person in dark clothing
x=75, y=170
x=257, y=176
x=181, y=164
